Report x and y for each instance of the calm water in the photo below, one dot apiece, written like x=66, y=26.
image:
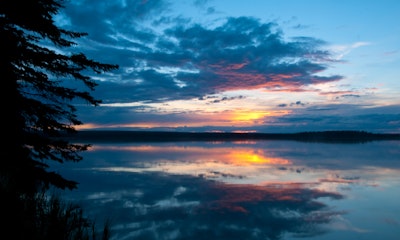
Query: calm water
x=243, y=190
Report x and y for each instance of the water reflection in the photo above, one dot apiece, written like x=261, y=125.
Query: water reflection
x=247, y=190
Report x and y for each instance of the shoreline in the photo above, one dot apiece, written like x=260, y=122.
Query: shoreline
x=96, y=136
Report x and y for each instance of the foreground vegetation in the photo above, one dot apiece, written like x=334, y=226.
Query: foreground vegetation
x=38, y=60
x=47, y=217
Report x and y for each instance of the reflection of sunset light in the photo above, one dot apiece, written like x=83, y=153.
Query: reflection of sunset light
x=238, y=156
x=263, y=164
x=251, y=157
x=241, y=164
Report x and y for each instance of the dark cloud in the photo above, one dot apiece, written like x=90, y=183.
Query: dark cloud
x=201, y=3
x=293, y=104
x=93, y=15
x=224, y=99
x=297, y=104
x=351, y=95
x=116, y=29
x=244, y=53
x=204, y=4
x=164, y=58
x=337, y=117
x=211, y=10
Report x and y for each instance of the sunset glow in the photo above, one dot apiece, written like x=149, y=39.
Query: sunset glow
x=243, y=116
x=259, y=67
x=202, y=119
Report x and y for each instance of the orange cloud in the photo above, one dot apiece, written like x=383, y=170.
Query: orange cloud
x=234, y=79
x=237, y=117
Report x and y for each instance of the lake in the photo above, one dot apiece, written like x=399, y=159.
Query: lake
x=241, y=190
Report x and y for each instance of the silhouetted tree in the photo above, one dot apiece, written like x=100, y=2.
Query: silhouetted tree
x=42, y=104
x=36, y=59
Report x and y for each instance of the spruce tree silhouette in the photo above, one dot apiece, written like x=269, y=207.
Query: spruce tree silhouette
x=36, y=59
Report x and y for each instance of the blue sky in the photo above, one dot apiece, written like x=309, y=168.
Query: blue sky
x=266, y=66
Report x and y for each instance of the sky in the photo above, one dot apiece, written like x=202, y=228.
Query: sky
x=251, y=66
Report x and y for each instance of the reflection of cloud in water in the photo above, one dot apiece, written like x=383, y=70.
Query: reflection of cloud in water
x=223, y=163
x=252, y=163
x=235, y=191
x=155, y=205
x=227, y=155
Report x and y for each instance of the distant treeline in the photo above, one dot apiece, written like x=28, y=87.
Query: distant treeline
x=94, y=136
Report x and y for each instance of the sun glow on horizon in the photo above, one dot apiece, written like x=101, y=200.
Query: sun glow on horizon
x=218, y=118
x=252, y=116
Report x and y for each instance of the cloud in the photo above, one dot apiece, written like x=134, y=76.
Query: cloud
x=145, y=39
x=166, y=57
x=340, y=51
x=244, y=53
x=223, y=99
x=323, y=117
x=288, y=117
x=297, y=103
x=293, y=104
